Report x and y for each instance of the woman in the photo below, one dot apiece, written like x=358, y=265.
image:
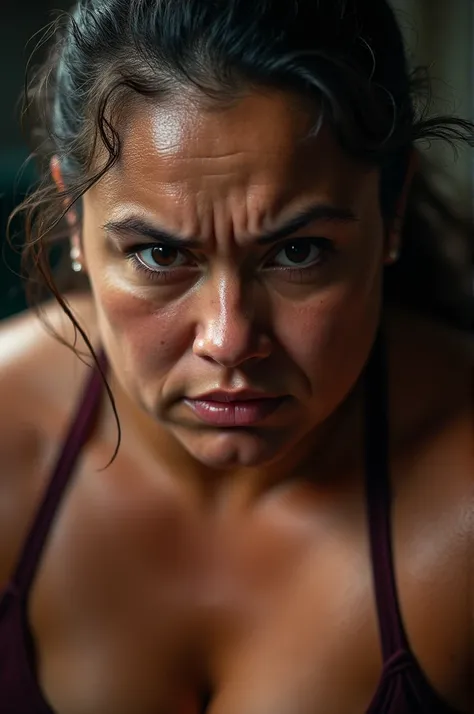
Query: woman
x=263, y=263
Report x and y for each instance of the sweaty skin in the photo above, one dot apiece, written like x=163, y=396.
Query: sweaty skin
x=236, y=560
x=225, y=319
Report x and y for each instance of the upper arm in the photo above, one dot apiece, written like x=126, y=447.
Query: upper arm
x=29, y=414
x=40, y=380
x=21, y=440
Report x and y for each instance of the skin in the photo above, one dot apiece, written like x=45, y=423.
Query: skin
x=237, y=560
x=241, y=324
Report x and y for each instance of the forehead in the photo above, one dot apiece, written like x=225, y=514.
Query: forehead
x=260, y=148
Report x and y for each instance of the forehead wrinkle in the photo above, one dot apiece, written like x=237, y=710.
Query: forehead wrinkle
x=248, y=204
x=168, y=169
x=140, y=159
x=244, y=187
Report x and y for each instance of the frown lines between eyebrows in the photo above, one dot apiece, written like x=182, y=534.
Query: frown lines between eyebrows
x=134, y=226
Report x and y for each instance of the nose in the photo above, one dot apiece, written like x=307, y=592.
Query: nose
x=228, y=331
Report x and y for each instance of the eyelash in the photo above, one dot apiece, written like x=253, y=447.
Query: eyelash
x=162, y=276
x=325, y=245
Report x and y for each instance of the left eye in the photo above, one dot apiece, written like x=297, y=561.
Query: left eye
x=300, y=253
x=160, y=257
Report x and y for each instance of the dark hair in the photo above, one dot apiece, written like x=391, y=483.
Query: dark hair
x=346, y=56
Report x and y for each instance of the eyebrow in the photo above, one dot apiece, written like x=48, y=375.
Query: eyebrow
x=136, y=226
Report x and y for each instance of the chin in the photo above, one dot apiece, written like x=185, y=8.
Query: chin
x=231, y=448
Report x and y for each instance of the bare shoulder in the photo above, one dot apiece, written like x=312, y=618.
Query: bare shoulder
x=431, y=369
x=37, y=368
x=40, y=380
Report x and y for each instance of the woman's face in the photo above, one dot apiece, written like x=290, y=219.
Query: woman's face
x=230, y=251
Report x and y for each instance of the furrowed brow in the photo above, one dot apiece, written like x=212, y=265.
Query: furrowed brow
x=134, y=226
x=315, y=212
x=140, y=228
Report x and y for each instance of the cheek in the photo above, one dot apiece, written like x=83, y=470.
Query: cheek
x=141, y=336
x=329, y=337
x=328, y=326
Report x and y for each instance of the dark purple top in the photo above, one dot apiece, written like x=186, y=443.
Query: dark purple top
x=403, y=687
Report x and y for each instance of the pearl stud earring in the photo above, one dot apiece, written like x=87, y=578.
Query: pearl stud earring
x=75, y=262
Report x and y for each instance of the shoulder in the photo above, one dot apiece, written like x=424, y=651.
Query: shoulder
x=432, y=418
x=38, y=368
x=431, y=386
x=431, y=370
x=40, y=381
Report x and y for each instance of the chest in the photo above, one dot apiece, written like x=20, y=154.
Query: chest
x=139, y=606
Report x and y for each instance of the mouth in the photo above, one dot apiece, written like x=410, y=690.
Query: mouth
x=234, y=409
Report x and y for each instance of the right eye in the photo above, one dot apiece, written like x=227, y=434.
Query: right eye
x=160, y=257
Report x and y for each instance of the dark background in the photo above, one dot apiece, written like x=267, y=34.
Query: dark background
x=19, y=21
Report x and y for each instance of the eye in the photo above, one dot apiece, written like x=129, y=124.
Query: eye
x=161, y=257
x=301, y=253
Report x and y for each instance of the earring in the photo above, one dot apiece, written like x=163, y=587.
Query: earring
x=393, y=255
x=76, y=264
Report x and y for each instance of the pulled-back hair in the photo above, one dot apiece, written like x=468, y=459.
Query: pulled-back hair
x=345, y=56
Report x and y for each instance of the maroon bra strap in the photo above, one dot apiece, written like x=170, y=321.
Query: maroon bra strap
x=78, y=433
x=379, y=501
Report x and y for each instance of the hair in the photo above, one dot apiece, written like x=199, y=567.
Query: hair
x=347, y=57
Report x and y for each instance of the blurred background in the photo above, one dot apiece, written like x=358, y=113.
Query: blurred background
x=439, y=34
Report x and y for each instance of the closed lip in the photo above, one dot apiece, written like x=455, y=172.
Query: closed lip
x=242, y=395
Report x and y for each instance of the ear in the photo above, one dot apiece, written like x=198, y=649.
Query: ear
x=77, y=256
x=394, y=234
